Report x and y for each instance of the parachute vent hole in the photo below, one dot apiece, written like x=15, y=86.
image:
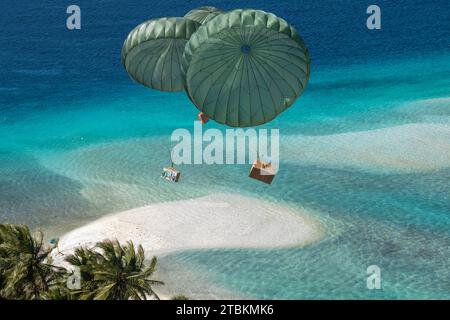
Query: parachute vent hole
x=245, y=48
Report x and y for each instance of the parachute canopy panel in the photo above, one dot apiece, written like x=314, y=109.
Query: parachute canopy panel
x=245, y=67
x=153, y=51
x=203, y=14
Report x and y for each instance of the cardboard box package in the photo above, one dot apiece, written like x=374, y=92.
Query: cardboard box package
x=262, y=171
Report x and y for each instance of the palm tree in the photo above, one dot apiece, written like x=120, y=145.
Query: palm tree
x=86, y=261
x=111, y=271
x=60, y=292
x=26, y=269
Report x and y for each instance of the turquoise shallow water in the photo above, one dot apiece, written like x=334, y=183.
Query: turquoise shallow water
x=80, y=140
x=103, y=155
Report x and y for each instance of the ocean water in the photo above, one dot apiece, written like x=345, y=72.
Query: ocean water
x=366, y=148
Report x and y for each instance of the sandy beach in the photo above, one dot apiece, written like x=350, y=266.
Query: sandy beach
x=215, y=221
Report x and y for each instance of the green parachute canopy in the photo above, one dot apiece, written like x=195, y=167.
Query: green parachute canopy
x=203, y=14
x=153, y=51
x=245, y=67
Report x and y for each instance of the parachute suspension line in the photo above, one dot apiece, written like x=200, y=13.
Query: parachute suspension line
x=170, y=155
x=170, y=173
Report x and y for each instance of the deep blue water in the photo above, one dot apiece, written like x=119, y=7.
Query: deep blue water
x=40, y=56
x=80, y=139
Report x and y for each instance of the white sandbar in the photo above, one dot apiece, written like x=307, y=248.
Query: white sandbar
x=410, y=147
x=215, y=221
